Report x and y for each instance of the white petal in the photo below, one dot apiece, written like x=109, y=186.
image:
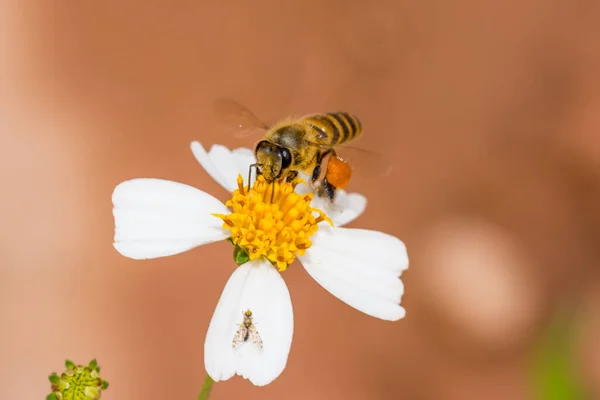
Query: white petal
x=243, y=158
x=257, y=286
x=224, y=165
x=359, y=267
x=157, y=218
x=347, y=207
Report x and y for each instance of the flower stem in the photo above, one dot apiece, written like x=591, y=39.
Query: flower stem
x=206, y=387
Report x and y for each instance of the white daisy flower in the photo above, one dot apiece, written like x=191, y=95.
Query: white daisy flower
x=224, y=165
x=270, y=225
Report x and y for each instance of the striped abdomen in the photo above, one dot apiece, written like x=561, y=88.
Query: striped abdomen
x=334, y=128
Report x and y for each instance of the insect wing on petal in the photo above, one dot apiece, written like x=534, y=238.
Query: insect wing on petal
x=240, y=335
x=255, y=336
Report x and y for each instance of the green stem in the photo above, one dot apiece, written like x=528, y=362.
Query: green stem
x=206, y=387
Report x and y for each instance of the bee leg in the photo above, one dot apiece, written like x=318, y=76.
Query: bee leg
x=316, y=173
x=272, y=191
x=321, y=164
x=327, y=154
x=256, y=165
x=329, y=190
x=291, y=176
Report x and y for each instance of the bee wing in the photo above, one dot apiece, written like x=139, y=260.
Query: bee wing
x=237, y=119
x=255, y=336
x=368, y=163
x=239, y=335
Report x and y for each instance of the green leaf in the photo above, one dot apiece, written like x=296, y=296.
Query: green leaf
x=230, y=240
x=104, y=385
x=54, y=379
x=69, y=364
x=51, y=396
x=93, y=364
x=240, y=256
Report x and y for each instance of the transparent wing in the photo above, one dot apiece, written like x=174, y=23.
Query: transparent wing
x=365, y=162
x=239, y=335
x=236, y=119
x=255, y=337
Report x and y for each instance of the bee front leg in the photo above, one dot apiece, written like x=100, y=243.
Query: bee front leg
x=291, y=176
x=258, y=173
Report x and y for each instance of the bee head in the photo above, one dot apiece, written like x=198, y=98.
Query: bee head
x=275, y=159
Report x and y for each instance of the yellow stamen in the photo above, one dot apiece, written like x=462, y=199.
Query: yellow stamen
x=278, y=230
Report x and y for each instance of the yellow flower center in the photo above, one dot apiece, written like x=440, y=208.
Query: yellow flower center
x=271, y=220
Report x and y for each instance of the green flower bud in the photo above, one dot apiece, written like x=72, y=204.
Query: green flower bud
x=78, y=382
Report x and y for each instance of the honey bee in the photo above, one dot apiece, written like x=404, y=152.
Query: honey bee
x=247, y=330
x=306, y=144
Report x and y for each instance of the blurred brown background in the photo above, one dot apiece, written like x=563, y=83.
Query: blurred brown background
x=490, y=112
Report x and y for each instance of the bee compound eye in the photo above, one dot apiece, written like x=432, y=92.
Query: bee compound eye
x=263, y=145
x=286, y=158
